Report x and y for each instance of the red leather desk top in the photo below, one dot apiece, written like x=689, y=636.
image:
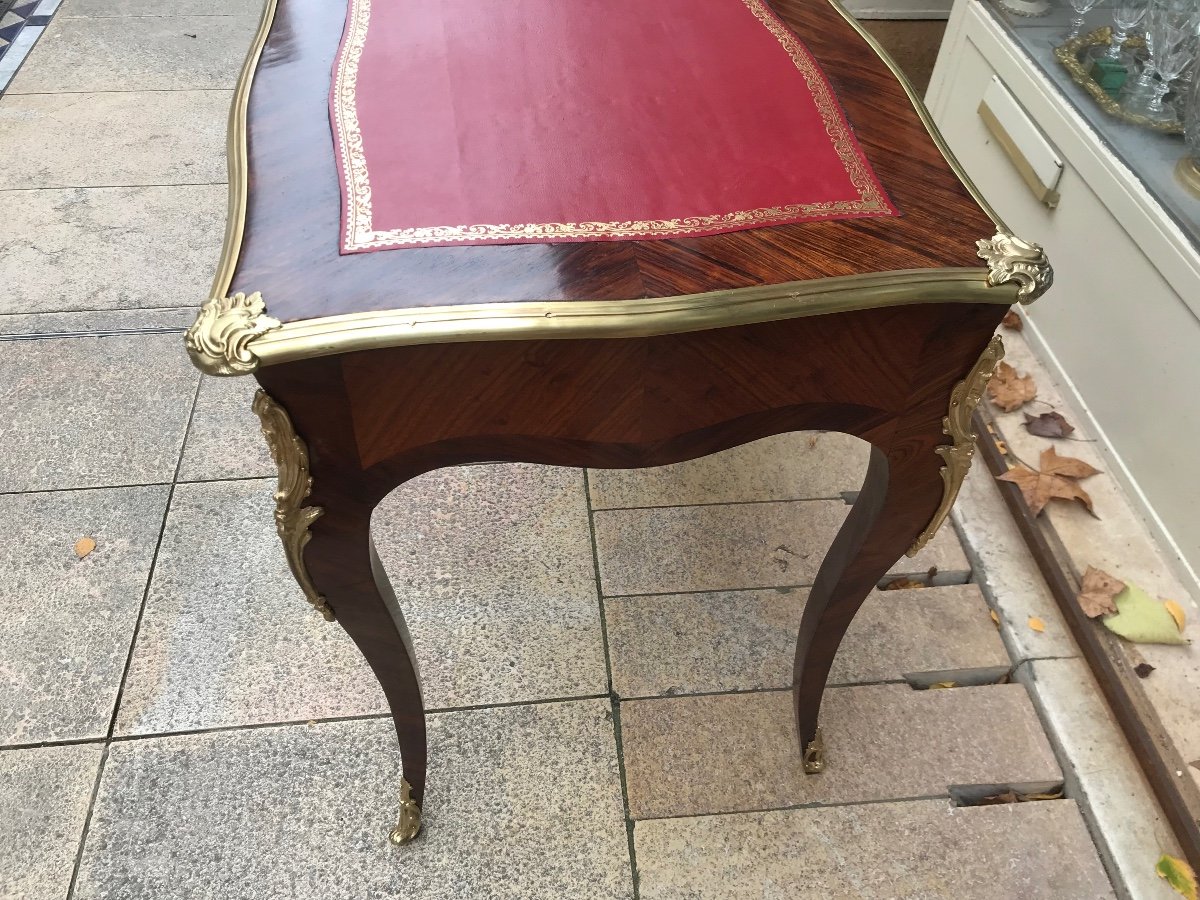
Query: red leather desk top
x=539, y=121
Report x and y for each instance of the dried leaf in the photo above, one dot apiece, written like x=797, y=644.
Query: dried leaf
x=1010, y=391
x=1013, y=321
x=1176, y=612
x=1037, y=624
x=942, y=685
x=1066, y=466
x=1178, y=874
x=84, y=546
x=998, y=799
x=995, y=617
x=903, y=584
x=1055, y=481
x=1097, y=591
x=1143, y=670
x=1048, y=425
x=1142, y=619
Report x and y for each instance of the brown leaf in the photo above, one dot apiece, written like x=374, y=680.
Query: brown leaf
x=1054, y=481
x=997, y=799
x=84, y=546
x=995, y=617
x=1097, y=591
x=942, y=685
x=1143, y=670
x=902, y=584
x=1009, y=390
x=1037, y=624
x=1012, y=320
x=1067, y=466
x=1048, y=425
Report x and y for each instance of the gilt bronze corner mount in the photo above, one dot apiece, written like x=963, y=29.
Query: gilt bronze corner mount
x=957, y=425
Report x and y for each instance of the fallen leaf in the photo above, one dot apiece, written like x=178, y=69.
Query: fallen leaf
x=1048, y=425
x=902, y=584
x=1143, y=670
x=1176, y=612
x=1142, y=619
x=995, y=617
x=84, y=546
x=1013, y=321
x=1010, y=391
x=1055, y=481
x=1097, y=591
x=1037, y=624
x=1011, y=796
x=1178, y=874
x=942, y=685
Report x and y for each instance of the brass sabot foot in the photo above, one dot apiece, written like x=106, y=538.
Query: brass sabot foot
x=814, y=755
x=409, y=825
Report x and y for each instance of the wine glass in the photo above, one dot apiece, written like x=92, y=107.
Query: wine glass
x=1171, y=32
x=1082, y=8
x=1127, y=14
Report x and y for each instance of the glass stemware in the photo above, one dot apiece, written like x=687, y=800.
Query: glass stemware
x=1127, y=14
x=1188, y=169
x=1082, y=8
x=1171, y=37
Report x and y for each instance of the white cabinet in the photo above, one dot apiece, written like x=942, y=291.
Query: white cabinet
x=1121, y=327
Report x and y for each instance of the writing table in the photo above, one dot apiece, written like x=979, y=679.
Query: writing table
x=606, y=233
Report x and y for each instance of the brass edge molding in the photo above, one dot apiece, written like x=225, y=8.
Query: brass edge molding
x=1012, y=260
x=219, y=340
x=535, y=320
x=957, y=425
x=923, y=113
x=236, y=157
x=292, y=518
x=409, y=824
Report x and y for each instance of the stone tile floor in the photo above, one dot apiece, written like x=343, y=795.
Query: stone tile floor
x=605, y=655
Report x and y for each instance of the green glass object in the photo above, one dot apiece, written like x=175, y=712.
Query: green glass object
x=1109, y=74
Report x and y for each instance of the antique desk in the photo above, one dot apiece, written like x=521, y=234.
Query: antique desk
x=734, y=219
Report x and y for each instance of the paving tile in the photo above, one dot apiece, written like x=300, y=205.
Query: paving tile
x=943, y=556
x=796, y=466
x=58, y=679
x=224, y=439
x=1102, y=773
x=72, y=9
x=106, y=321
x=737, y=752
x=922, y=850
x=523, y=802
x=712, y=548
x=493, y=568
x=164, y=53
x=227, y=637
x=68, y=140
x=93, y=411
x=739, y=545
x=109, y=248
x=1006, y=572
x=746, y=640
x=44, y=794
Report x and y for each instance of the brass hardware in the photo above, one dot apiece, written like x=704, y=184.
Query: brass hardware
x=814, y=755
x=292, y=520
x=310, y=338
x=409, y=824
x=1068, y=55
x=219, y=340
x=1187, y=171
x=1044, y=193
x=1011, y=259
x=957, y=425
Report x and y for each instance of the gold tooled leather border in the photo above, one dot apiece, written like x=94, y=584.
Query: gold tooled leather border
x=360, y=233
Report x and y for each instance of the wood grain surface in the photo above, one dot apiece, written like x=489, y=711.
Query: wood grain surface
x=290, y=250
